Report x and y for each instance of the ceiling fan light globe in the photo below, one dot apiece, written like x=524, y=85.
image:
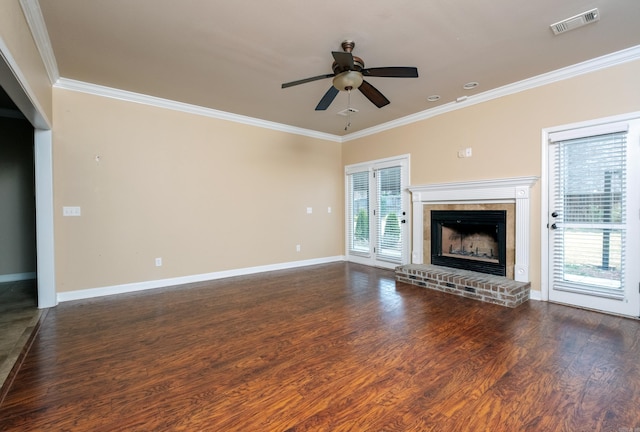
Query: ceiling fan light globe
x=347, y=80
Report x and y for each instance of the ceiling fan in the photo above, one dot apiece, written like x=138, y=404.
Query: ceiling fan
x=348, y=73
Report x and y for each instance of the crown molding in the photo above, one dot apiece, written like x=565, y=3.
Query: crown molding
x=596, y=64
x=35, y=21
x=607, y=61
x=98, y=90
x=33, y=15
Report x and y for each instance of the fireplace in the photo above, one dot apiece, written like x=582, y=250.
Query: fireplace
x=485, y=193
x=473, y=240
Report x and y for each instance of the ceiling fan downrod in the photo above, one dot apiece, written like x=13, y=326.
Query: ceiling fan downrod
x=348, y=45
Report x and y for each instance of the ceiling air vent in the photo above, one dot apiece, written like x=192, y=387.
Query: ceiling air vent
x=576, y=21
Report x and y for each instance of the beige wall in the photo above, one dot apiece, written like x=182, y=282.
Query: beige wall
x=505, y=135
x=208, y=195
x=204, y=194
x=16, y=36
x=17, y=205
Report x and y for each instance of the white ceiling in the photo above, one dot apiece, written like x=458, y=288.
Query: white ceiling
x=233, y=56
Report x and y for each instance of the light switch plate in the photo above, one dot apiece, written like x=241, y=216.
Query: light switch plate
x=71, y=211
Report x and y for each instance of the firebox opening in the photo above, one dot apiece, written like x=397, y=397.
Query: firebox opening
x=470, y=239
x=471, y=242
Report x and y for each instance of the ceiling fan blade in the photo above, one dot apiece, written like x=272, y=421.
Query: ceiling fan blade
x=373, y=94
x=306, y=80
x=392, y=72
x=328, y=97
x=344, y=59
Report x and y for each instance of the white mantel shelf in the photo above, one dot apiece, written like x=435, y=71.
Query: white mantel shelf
x=512, y=190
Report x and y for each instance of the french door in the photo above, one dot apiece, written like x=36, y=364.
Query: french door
x=377, y=212
x=594, y=217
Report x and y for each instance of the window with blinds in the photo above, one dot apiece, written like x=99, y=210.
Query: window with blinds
x=589, y=213
x=389, y=213
x=358, y=221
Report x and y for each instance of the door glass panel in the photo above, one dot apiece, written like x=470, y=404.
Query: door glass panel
x=589, y=215
x=359, y=212
x=389, y=214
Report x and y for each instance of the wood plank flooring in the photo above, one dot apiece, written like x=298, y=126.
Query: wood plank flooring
x=19, y=320
x=335, y=347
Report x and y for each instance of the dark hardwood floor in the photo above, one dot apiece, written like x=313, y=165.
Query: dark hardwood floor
x=19, y=318
x=336, y=347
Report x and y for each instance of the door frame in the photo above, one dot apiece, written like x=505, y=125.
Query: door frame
x=17, y=87
x=544, y=188
x=405, y=162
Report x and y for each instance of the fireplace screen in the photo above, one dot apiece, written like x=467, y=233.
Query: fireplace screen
x=471, y=240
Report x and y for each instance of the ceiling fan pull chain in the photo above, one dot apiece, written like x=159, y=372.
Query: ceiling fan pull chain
x=348, y=110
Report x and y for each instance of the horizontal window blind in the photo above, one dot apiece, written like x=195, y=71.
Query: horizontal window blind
x=389, y=214
x=358, y=223
x=589, y=202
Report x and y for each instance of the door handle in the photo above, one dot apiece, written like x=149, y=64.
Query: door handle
x=403, y=221
x=554, y=214
x=554, y=226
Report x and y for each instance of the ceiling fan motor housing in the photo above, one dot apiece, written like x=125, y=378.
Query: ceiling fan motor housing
x=358, y=65
x=348, y=78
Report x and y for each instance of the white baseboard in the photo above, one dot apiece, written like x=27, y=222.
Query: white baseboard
x=140, y=286
x=15, y=277
x=535, y=295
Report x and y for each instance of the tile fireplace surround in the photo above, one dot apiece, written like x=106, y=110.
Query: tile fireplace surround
x=509, y=190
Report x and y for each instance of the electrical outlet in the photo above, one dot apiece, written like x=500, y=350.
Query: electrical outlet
x=328, y=209
x=309, y=210
x=158, y=262
x=297, y=248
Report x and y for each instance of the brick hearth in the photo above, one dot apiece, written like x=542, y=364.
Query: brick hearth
x=478, y=286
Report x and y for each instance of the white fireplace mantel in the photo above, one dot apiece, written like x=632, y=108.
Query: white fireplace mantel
x=513, y=190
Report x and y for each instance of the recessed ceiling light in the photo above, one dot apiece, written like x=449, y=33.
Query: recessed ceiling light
x=433, y=98
x=471, y=85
